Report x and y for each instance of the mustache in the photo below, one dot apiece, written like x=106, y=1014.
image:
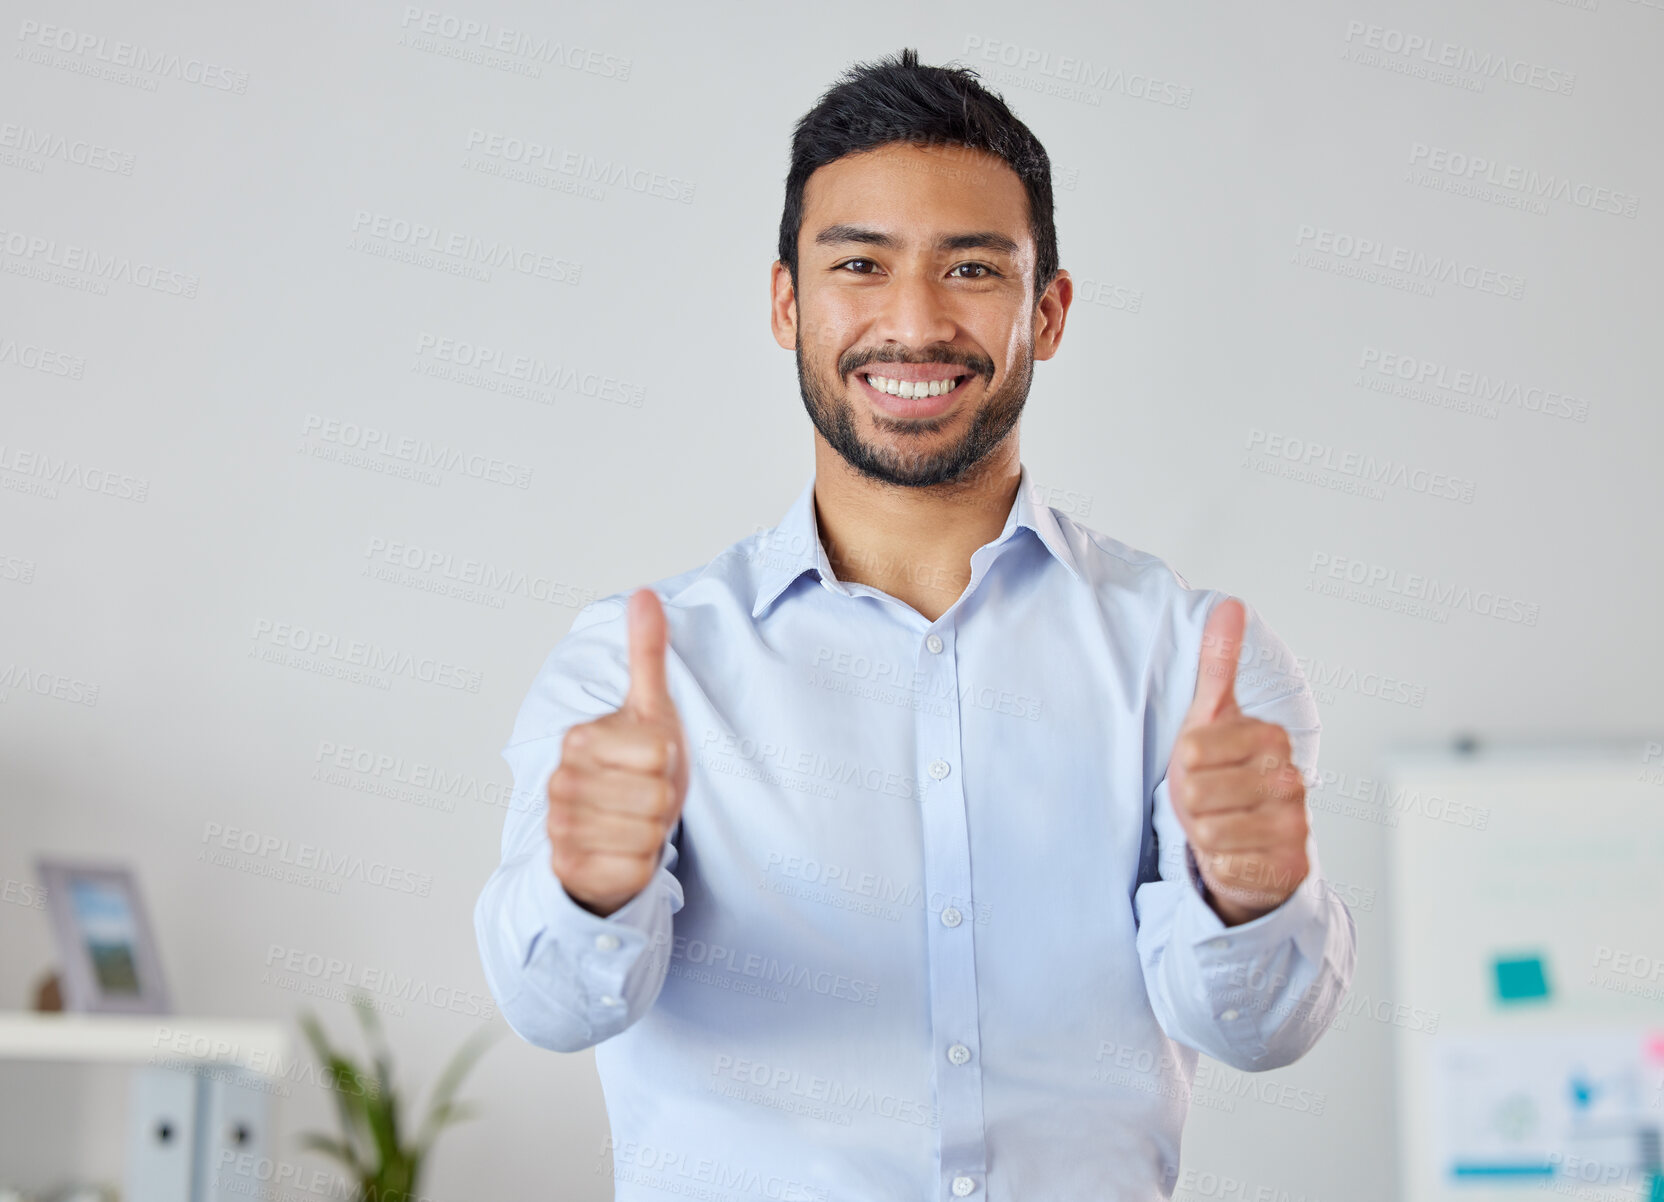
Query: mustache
x=854, y=361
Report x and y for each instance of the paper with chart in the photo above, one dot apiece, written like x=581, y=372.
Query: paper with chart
x=1538, y=1106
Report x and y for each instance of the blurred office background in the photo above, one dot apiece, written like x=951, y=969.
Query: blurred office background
x=1421, y=235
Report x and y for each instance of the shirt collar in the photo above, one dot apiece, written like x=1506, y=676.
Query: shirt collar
x=794, y=547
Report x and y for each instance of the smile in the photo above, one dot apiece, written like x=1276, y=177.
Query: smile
x=912, y=398
x=910, y=389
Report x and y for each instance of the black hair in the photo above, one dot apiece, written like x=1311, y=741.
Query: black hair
x=897, y=100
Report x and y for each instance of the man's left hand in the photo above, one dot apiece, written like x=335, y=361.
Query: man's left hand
x=1235, y=787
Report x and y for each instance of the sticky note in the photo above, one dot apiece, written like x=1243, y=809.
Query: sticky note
x=1520, y=979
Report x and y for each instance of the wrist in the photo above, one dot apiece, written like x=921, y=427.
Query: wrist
x=1232, y=913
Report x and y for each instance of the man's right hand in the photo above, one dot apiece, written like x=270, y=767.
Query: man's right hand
x=622, y=779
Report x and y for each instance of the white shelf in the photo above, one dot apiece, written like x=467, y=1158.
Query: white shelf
x=145, y=1039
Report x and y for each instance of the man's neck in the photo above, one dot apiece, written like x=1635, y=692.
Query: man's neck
x=913, y=543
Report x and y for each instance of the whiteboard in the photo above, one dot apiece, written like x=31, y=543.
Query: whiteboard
x=1527, y=903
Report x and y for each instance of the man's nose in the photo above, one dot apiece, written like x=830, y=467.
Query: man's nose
x=916, y=312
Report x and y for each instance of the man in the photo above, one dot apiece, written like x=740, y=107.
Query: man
x=914, y=847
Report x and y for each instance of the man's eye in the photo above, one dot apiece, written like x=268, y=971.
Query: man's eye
x=982, y=269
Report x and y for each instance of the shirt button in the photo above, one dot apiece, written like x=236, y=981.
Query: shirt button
x=934, y=642
x=1229, y=1015
x=963, y=1186
x=959, y=1053
x=607, y=999
x=1217, y=945
x=951, y=917
x=938, y=768
x=606, y=942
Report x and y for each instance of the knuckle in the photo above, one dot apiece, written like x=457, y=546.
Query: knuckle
x=563, y=787
x=563, y=825
x=567, y=863
x=1298, y=826
x=656, y=796
x=648, y=750
x=576, y=739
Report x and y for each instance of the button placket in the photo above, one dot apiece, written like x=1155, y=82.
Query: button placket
x=950, y=947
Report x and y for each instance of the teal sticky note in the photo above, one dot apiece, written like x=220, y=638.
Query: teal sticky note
x=1657, y=1193
x=1520, y=979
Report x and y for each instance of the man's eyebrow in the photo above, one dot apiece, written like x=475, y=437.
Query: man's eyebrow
x=833, y=235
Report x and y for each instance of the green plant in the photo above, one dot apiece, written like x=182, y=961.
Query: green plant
x=384, y=1166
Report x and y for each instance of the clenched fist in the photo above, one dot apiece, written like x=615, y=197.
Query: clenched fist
x=1235, y=787
x=622, y=779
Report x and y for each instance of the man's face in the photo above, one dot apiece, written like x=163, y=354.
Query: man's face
x=916, y=277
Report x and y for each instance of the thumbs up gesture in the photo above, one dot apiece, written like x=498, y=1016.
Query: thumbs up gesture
x=622, y=779
x=1235, y=787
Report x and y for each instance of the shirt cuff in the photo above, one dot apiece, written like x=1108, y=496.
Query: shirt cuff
x=1300, y=918
x=592, y=962
x=565, y=916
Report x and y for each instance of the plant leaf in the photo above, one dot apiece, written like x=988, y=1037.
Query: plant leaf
x=444, y=1089
x=376, y=1036
x=350, y=1106
x=343, y=1152
x=370, y=1144
x=381, y=1114
x=444, y=1116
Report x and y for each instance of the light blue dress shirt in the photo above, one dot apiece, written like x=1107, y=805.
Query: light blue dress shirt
x=927, y=926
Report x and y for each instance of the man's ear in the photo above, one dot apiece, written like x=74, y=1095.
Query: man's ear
x=782, y=312
x=1051, y=313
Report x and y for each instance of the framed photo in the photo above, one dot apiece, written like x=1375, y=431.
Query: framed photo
x=105, y=946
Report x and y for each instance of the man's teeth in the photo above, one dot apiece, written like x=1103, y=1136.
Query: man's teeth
x=907, y=388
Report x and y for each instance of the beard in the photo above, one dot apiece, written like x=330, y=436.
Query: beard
x=903, y=459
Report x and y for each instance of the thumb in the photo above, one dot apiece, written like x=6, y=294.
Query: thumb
x=649, y=695
x=1216, y=670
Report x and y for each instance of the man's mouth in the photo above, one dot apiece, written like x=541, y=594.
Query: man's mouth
x=935, y=381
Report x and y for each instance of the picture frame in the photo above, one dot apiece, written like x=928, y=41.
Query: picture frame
x=106, y=949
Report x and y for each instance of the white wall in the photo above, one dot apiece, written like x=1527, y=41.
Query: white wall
x=1203, y=152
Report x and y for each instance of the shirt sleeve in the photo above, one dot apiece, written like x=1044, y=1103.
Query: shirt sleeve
x=1256, y=995
x=564, y=977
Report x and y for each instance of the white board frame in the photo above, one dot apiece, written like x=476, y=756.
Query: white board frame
x=1468, y=850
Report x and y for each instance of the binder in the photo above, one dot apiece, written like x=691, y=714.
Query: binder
x=198, y=1136
x=233, y=1143
x=161, y=1148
